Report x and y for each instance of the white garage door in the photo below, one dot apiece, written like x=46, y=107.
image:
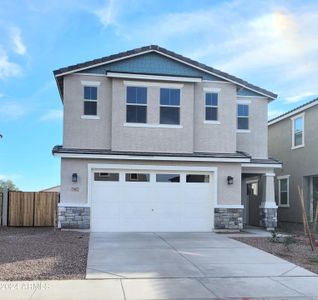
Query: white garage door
x=141, y=201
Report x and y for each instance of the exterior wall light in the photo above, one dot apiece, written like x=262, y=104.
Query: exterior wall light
x=230, y=180
x=74, y=177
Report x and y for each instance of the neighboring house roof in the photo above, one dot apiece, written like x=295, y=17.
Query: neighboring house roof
x=154, y=48
x=294, y=111
x=56, y=188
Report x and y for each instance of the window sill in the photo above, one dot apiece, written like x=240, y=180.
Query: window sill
x=90, y=117
x=297, y=147
x=147, y=125
x=212, y=122
x=243, y=130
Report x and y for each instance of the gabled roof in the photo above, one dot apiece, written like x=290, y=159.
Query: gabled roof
x=154, y=48
x=294, y=111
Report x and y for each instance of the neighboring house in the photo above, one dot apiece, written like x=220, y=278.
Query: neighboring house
x=154, y=141
x=52, y=189
x=293, y=139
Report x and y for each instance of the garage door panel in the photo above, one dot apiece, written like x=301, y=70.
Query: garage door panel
x=151, y=206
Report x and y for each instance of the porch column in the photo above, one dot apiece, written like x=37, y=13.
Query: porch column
x=268, y=207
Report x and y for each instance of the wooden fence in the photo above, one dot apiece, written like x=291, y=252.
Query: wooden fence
x=32, y=208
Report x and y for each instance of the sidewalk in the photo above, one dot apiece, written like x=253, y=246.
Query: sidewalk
x=176, y=288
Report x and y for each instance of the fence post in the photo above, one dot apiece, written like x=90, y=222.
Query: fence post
x=5, y=207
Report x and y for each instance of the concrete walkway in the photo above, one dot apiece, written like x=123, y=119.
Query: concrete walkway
x=193, y=265
x=174, y=266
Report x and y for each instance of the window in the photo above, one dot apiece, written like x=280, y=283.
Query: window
x=252, y=188
x=136, y=100
x=298, y=131
x=211, y=106
x=90, y=100
x=106, y=176
x=137, y=177
x=169, y=106
x=167, y=178
x=283, y=191
x=197, y=178
x=242, y=116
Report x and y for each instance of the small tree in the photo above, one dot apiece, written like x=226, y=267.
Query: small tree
x=8, y=184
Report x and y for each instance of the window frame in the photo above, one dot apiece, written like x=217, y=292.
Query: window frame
x=217, y=121
x=293, y=119
x=246, y=117
x=128, y=177
x=170, y=105
x=90, y=100
x=279, y=178
x=95, y=84
x=107, y=176
x=206, y=178
x=137, y=104
x=176, y=175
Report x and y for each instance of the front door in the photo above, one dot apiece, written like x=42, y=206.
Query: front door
x=253, y=203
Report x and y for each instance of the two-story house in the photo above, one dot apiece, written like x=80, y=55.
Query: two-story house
x=154, y=141
x=293, y=139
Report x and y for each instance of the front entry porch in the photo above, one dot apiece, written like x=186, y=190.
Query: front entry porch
x=258, y=198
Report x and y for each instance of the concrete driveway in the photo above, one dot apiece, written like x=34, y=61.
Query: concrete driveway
x=193, y=265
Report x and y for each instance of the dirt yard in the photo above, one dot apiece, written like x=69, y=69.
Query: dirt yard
x=40, y=254
x=295, y=249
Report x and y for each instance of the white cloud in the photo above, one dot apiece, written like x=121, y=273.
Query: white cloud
x=12, y=177
x=8, y=68
x=12, y=111
x=16, y=38
x=273, y=44
x=52, y=115
x=272, y=113
x=108, y=13
x=300, y=97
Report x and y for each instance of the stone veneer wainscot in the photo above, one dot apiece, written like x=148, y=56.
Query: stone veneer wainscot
x=228, y=218
x=74, y=217
x=268, y=218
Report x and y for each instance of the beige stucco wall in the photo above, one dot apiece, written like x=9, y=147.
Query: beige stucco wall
x=111, y=132
x=86, y=133
x=298, y=163
x=215, y=137
x=254, y=142
x=76, y=193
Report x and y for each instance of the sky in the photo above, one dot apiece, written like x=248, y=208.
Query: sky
x=272, y=44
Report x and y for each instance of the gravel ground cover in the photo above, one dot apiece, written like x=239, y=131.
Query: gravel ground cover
x=294, y=248
x=41, y=253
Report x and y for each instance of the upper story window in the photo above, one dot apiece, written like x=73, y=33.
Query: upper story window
x=243, y=116
x=136, y=102
x=169, y=106
x=211, y=106
x=283, y=191
x=90, y=100
x=298, y=131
